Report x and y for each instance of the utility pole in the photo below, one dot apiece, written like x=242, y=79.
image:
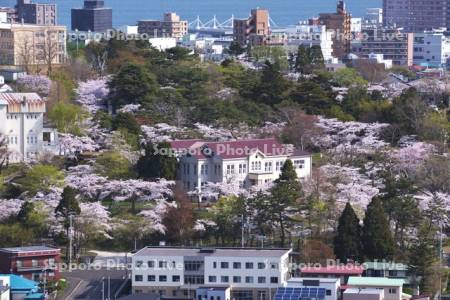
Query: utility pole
x=440, y=261
x=242, y=233
x=109, y=287
x=103, y=288
x=70, y=240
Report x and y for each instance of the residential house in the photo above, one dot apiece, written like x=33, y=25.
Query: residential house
x=390, y=270
x=393, y=288
x=21, y=288
x=363, y=294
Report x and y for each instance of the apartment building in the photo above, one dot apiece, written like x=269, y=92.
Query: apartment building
x=416, y=15
x=33, y=262
x=94, y=17
x=36, y=13
x=248, y=273
x=393, y=44
x=22, y=119
x=249, y=162
x=7, y=15
x=431, y=48
x=28, y=45
x=340, y=23
x=253, y=30
x=170, y=27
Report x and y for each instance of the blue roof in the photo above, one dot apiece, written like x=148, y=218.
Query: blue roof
x=38, y=296
x=21, y=283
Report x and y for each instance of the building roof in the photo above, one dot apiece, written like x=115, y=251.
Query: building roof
x=20, y=283
x=334, y=270
x=374, y=281
x=364, y=291
x=322, y=280
x=28, y=249
x=141, y=297
x=220, y=252
x=390, y=266
x=235, y=149
x=215, y=288
x=18, y=98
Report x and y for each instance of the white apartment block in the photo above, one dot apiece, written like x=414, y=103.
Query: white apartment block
x=310, y=35
x=249, y=162
x=431, y=48
x=22, y=119
x=249, y=273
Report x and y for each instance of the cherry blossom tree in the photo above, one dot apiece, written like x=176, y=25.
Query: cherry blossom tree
x=70, y=144
x=9, y=208
x=408, y=159
x=35, y=83
x=92, y=93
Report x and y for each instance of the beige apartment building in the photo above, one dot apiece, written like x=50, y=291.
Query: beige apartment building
x=29, y=45
x=171, y=26
x=254, y=30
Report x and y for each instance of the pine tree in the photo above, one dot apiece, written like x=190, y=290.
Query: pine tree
x=377, y=239
x=159, y=161
x=68, y=205
x=285, y=194
x=347, y=243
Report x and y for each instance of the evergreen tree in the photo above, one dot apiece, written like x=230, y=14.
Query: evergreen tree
x=285, y=194
x=303, y=63
x=133, y=84
x=67, y=207
x=158, y=161
x=377, y=239
x=423, y=258
x=316, y=57
x=347, y=243
x=273, y=86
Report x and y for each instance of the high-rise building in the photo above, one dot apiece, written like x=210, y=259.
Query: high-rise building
x=416, y=15
x=254, y=30
x=36, y=13
x=171, y=26
x=341, y=23
x=94, y=16
x=393, y=44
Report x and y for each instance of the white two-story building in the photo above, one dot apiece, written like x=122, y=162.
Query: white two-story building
x=248, y=273
x=22, y=124
x=249, y=162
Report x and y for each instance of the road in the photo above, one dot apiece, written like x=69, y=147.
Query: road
x=93, y=284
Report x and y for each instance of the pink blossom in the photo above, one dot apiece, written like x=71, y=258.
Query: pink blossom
x=35, y=83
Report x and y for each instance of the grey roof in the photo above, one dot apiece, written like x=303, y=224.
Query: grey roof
x=28, y=249
x=219, y=252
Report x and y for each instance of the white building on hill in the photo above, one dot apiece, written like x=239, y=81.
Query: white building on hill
x=22, y=123
x=250, y=162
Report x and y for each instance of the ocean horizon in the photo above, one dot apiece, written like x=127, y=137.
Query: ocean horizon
x=282, y=12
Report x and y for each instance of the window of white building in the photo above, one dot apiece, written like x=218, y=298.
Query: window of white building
x=279, y=165
x=268, y=166
x=242, y=168
x=230, y=169
x=299, y=163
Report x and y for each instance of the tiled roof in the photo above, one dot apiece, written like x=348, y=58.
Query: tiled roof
x=235, y=149
x=17, y=98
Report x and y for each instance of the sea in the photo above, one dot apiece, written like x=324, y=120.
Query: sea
x=282, y=12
